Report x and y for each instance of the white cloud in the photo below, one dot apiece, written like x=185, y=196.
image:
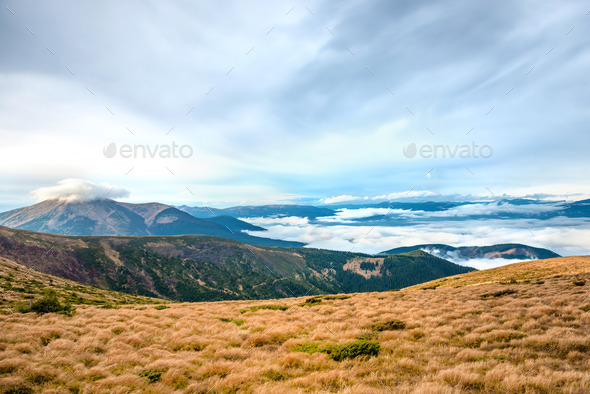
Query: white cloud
x=342, y=198
x=410, y=194
x=345, y=214
x=565, y=236
x=74, y=189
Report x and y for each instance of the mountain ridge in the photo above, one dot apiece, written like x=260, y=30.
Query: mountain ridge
x=110, y=217
x=199, y=268
x=512, y=251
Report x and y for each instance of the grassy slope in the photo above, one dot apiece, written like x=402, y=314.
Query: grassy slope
x=516, y=272
x=525, y=337
x=20, y=285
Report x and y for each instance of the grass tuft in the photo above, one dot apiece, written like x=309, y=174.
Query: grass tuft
x=389, y=325
x=259, y=307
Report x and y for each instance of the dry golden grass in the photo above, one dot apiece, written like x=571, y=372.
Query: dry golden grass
x=472, y=338
x=517, y=272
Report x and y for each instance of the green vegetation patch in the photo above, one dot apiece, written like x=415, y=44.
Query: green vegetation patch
x=389, y=325
x=49, y=304
x=498, y=294
x=341, y=352
x=274, y=375
x=46, y=339
x=152, y=375
x=160, y=307
x=273, y=307
x=237, y=322
x=315, y=300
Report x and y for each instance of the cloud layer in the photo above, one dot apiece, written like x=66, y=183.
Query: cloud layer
x=79, y=190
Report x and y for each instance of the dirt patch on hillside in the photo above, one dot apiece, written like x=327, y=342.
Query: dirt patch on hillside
x=372, y=266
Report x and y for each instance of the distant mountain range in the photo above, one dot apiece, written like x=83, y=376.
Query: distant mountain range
x=109, y=217
x=308, y=211
x=500, y=251
x=547, y=210
x=197, y=268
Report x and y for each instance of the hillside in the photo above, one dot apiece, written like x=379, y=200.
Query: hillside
x=199, y=268
x=516, y=273
x=500, y=251
x=109, y=217
x=495, y=338
x=22, y=285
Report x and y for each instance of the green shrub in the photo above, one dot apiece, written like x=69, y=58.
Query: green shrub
x=341, y=352
x=46, y=339
x=50, y=303
x=160, y=307
x=389, y=325
x=585, y=308
x=313, y=301
x=259, y=307
x=152, y=375
x=498, y=294
x=19, y=390
x=353, y=349
x=336, y=297
x=110, y=306
x=274, y=375
x=237, y=322
x=40, y=378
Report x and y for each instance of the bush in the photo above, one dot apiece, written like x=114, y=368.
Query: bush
x=160, y=307
x=19, y=390
x=152, y=375
x=353, y=349
x=498, y=294
x=579, y=282
x=259, y=307
x=46, y=339
x=388, y=325
x=50, y=304
x=274, y=375
x=341, y=352
x=237, y=322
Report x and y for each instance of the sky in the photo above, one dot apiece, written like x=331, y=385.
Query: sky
x=227, y=103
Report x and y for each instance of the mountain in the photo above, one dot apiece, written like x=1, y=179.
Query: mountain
x=577, y=209
x=308, y=211
x=109, y=217
x=234, y=224
x=197, y=268
x=500, y=251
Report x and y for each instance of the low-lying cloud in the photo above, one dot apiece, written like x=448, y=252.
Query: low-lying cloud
x=75, y=189
x=565, y=236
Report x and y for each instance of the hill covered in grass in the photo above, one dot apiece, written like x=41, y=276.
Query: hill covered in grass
x=516, y=273
x=205, y=268
x=533, y=336
x=22, y=286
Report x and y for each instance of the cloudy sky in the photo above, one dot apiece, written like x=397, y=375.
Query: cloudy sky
x=272, y=101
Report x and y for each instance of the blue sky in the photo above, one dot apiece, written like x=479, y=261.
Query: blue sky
x=295, y=102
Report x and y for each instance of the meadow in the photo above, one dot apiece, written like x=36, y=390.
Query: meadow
x=517, y=334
